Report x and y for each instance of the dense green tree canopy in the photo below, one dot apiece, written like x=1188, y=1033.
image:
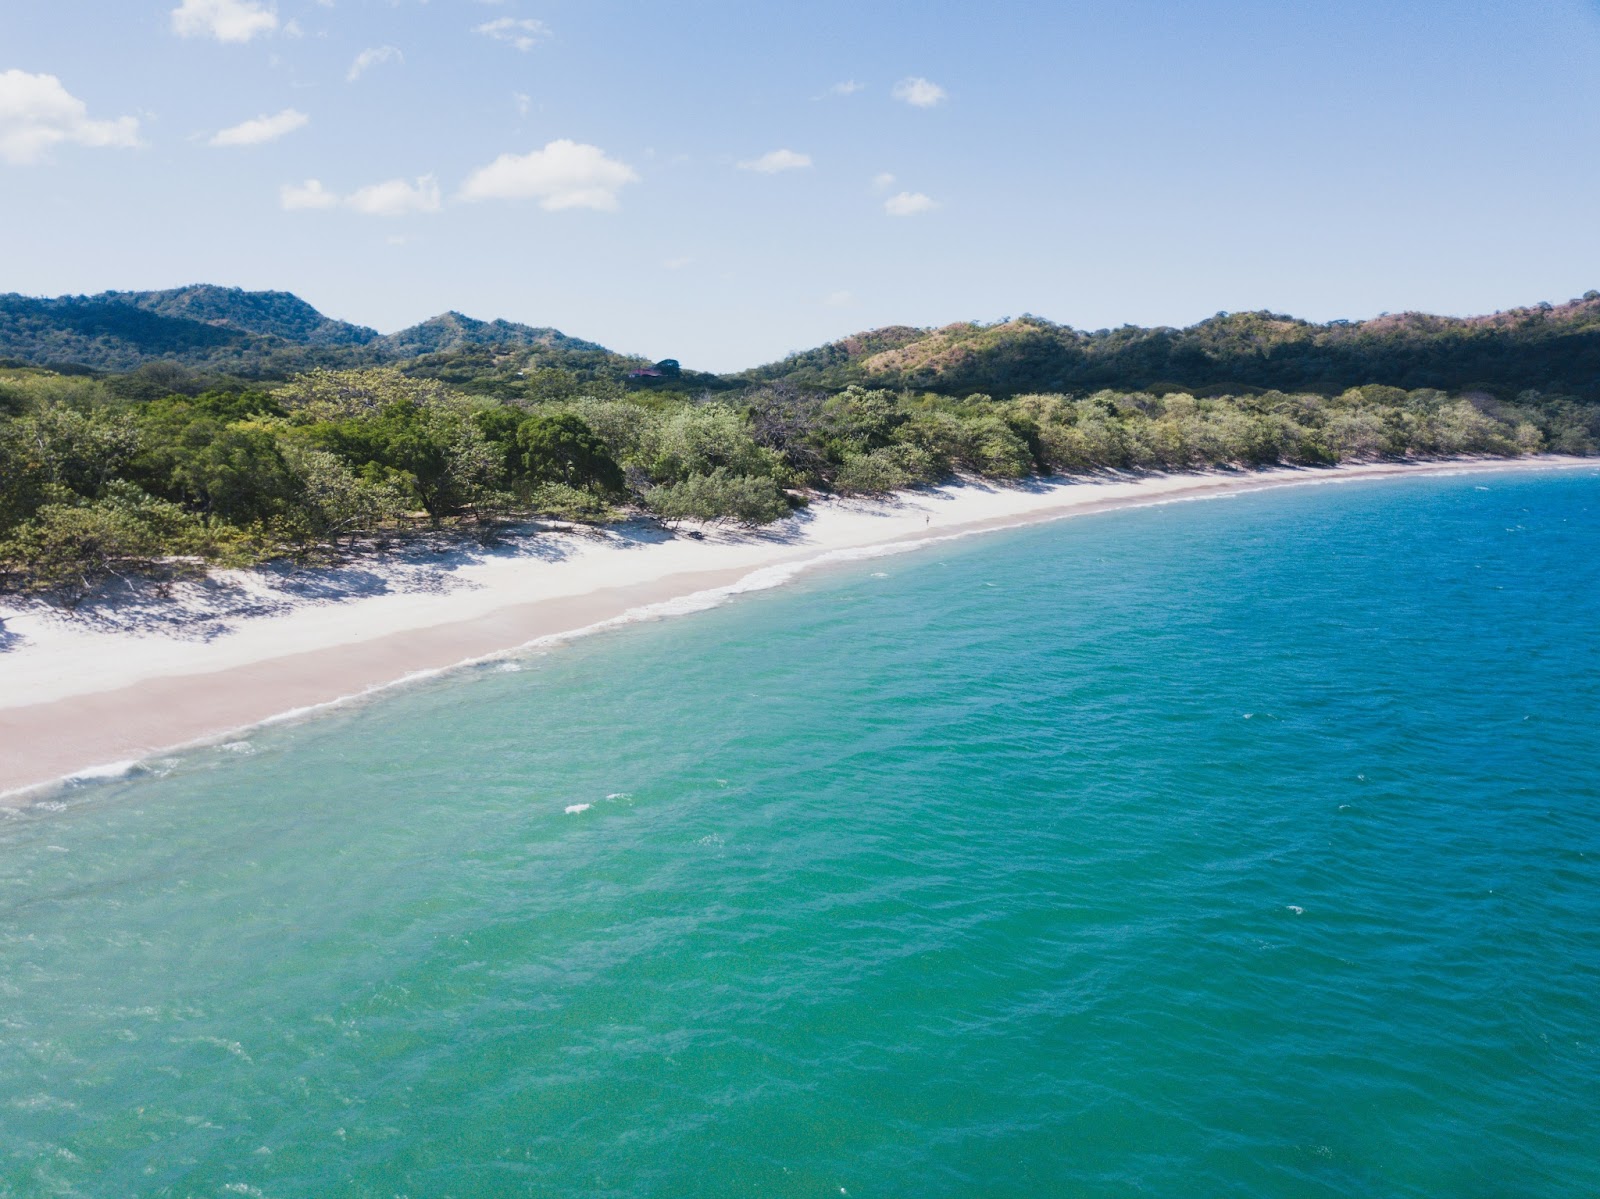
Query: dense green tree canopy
x=163, y=470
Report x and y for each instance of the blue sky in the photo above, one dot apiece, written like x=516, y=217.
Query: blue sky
x=725, y=182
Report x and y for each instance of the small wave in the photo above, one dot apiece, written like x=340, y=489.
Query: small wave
x=99, y=774
x=238, y=747
x=1298, y=911
x=573, y=809
x=620, y=795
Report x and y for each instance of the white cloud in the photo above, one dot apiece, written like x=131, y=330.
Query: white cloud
x=262, y=129
x=777, y=160
x=524, y=103
x=882, y=182
x=37, y=112
x=848, y=88
x=839, y=299
x=370, y=58
x=908, y=204
x=291, y=28
x=396, y=197
x=522, y=32
x=296, y=197
x=225, y=20
x=565, y=174
x=919, y=92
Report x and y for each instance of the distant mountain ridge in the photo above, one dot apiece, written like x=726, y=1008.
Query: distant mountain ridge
x=252, y=333
x=452, y=331
x=269, y=313
x=1554, y=349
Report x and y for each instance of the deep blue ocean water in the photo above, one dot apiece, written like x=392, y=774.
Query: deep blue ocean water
x=1245, y=848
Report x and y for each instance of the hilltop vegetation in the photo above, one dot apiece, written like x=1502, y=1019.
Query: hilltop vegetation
x=1554, y=349
x=270, y=336
x=259, y=336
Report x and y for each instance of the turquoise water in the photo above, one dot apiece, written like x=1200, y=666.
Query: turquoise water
x=1245, y=848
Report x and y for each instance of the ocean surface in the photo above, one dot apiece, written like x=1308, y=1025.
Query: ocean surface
x=1247, y=847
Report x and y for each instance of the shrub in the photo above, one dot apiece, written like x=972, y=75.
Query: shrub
x=563, y=502
x=69, y=548
x=720, y=496
x=884, y=470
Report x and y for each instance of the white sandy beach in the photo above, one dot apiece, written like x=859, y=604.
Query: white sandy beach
x=117, y=682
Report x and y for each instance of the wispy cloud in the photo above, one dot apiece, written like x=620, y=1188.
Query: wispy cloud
x=299, y=197
x=370, y=58
x=396, y=197
x=225, y=20
x=919, y=92
x=37, y=112
x=393, y=197
x=262, y=129
x=882, y=182
x=677, y=264
x=839, y=299
x=522, y=32
x=524, y=103
x=909, y=204
x=847, y=88
x=565, y=174
x=777, y=160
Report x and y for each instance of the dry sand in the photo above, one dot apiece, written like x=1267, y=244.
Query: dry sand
x=90, y=693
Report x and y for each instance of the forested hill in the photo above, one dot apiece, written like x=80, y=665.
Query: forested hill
x=1549, y=348
x=1553, y=349
x=256, y=334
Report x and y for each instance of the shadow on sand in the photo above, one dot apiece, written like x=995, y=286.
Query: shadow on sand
x=203, y=609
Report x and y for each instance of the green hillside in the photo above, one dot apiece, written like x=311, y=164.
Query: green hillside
x=1552, y=349
x=272, y=335
x=1549, y=348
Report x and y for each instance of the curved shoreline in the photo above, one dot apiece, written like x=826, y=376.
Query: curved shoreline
x=192, y=695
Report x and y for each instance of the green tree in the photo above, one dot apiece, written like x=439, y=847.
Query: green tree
x=701, y=439
x=720, y=496
x=560, y=447
x=434, y=453
x=68, y=548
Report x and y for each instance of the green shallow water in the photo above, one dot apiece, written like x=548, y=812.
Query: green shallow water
x=1243, y=848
